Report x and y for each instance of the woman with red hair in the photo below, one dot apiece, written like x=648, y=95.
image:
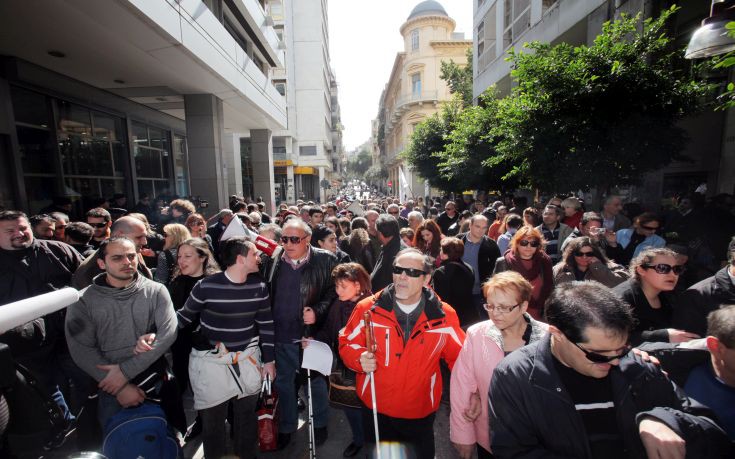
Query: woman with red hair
x=428, y=240
x=527, y=257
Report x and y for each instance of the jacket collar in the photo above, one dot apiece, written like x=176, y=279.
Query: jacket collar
x=723, y=284
x=432, y=306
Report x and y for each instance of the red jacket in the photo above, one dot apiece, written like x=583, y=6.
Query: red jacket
x=408, y=382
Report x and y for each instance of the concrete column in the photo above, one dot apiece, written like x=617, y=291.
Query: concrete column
x=204, y=134
x=263, y=180
x=322, y=191
x=231, y=154
x=290, y=186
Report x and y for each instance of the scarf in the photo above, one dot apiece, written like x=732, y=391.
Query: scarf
x=541, y=265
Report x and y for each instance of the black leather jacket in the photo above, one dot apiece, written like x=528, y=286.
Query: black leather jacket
x=317, y=285
x=533, y=415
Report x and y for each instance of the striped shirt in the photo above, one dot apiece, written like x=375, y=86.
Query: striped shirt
x=237, y=315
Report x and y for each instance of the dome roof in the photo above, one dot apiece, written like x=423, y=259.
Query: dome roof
x=426, y=8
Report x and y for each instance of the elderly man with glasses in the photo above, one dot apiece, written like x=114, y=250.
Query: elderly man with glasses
x=414, y=330
x=299, y=276
x=579, y=393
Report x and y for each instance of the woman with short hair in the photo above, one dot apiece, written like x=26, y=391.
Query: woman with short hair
x=175, y=234
x=507, y=298
x=572, y=208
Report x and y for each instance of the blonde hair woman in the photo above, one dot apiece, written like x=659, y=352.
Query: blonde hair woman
x=175, y=234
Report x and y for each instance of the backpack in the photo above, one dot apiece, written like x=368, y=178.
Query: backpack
x=140, y=433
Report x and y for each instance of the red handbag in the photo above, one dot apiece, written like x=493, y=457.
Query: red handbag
x=267, y=417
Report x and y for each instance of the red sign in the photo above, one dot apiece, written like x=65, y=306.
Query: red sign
x=390, y=183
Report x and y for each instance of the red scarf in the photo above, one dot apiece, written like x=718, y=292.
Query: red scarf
x=541, y=265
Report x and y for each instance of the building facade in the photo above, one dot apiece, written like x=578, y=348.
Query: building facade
x=415, y=90
x=138, y=100
x=503, y=24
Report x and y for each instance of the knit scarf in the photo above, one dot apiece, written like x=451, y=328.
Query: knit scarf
x=541, y=264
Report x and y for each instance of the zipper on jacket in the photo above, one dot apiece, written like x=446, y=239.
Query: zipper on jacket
x=387, y=346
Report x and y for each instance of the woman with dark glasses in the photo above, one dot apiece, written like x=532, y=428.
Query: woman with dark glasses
x=584, y=261
x=630, y=242
x=654, y=274
x=526, y=257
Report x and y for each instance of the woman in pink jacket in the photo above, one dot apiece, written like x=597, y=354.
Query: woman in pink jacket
x=510, y=327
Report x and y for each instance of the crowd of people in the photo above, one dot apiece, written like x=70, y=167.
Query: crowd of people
x=551, y=330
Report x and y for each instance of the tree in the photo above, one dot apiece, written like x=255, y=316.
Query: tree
x=359, y=164
x=727, y=98
x=427, y=143
x=459, y=78
x=376, y=174
x=599, y=115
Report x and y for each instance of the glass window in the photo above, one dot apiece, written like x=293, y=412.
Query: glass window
x=36, y=150
x=415, y=40
x=307, y=150
x=29, y=107
x=107, y=127
x=416, y=84
x=181, y=171
x=159, y=138
x=85, y=156
x=147, y=162
x=40, y=191
x=74, y=119
x=140, y=134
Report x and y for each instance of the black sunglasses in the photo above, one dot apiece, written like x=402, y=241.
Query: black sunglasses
x=410, y=272
x=98, y=225
x=526, y=243
x=663, y=268
x=585, y=254
x=649, y=228
x=292, y=239
x=599, y=358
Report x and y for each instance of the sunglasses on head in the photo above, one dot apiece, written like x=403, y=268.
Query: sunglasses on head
x=292, y=239
x=663, y=268
x=410, y=272
x=600, y=358
x=526, y=243
x=98, y=225
x=585, y=254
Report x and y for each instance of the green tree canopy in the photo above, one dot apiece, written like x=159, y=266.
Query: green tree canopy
x=359, y=164
x=599, y=115
x=459, y=78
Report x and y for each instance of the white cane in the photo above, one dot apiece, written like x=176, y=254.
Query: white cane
x=312, y=442
x=372, y=347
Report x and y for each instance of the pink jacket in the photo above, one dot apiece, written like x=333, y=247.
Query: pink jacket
x=472, y=372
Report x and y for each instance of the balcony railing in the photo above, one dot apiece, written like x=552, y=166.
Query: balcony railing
x=404, y=102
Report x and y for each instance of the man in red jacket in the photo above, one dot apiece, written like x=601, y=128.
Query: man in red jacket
x=413, y=330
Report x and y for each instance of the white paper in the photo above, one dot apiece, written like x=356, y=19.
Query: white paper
x=235, y=228
x=317, y=357
x=356, y=208
x=20, y=312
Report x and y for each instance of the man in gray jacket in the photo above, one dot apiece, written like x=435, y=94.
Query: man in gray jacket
x=103, y=327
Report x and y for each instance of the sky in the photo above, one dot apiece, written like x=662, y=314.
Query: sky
x=364, y=38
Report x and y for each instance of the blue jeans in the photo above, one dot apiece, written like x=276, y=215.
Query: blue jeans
x=288, y=365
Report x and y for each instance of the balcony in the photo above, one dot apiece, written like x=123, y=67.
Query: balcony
x=405, y=102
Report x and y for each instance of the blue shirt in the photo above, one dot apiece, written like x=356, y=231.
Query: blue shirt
x=470, y=256
x=706, y=388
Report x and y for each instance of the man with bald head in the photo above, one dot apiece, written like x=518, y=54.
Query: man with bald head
x=128, y=227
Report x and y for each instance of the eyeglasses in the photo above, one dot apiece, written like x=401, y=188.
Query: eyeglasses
x=292, y=239
x=585, y=254
x=663, y=268
x=499, y=309
x=98, y=225
x=649, y=228
x=526, y=243
x=393, y=213
x=600, y=358
x=410, y=272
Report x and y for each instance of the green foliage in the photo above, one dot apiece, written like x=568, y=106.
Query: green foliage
x=583, y=117
x=376, y=174
x=459, y=78
x=726, y=99
x=427, y=143
x=359, y=164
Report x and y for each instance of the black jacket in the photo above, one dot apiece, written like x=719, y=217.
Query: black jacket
x=453, y=282
x=651, y=324
x=700, y=299
x=489, y=253
x=317, y=285
x=382, y=274
x=532, y=415
x=445, y=221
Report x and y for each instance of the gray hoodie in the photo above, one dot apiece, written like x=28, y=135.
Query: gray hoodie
x=105, y=324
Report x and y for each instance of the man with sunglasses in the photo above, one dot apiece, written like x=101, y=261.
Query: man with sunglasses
x=414, y=330
x=299, y=277
x=579, y=393
x=101, y=220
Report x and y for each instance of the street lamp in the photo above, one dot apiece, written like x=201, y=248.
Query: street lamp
x=712, y=38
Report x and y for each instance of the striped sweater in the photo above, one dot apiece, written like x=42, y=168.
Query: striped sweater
x=237, y=315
